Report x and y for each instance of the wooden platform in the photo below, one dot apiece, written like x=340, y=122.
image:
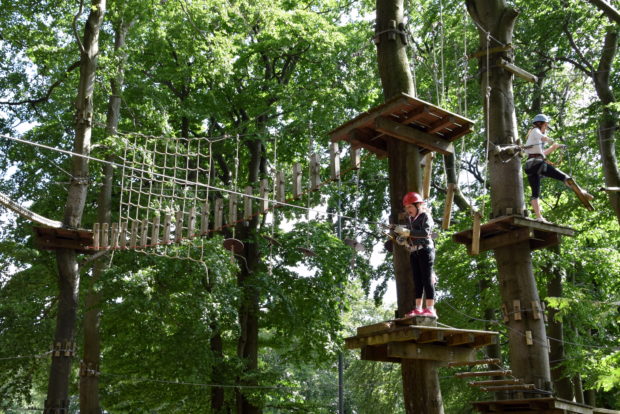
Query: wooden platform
x=507, y=230
x=408, y=119
x=48, y=238
x=413, y=338
x=548, y=405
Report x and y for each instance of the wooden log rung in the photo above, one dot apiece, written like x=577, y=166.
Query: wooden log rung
x=511, y=381
x=178, y=227
x=315, y=172
x=204, y=219
x=264, y=202
x=247, y=203
x=96, y=235
x=105, y=240
x=219, y=211
x=496, y=373
x=155, y=230
x=114, y=241
x=232, y=209
x=122, y=235
x=191, y=223
x=144, y=233
x=167, y=223
x=515, y=387
x=334, y=157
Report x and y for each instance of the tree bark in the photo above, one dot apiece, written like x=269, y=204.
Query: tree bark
x=68, y=272
x=421, y=390
x=514, y=263
x=607, y=123
x=89, y=367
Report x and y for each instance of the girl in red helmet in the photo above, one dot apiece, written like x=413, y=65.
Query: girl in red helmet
x=422, y=256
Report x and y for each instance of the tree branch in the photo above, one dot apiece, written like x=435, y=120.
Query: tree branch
x=609, y=11
x=584, y=61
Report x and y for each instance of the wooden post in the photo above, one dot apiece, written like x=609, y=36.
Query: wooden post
x=356, y=161
x=280, y=187
x=475, y=237
x=334, y=157
x=297, y=174
x=155, y=231
x=191, y=224
x=447, y=212
x=426, y=181
x=247, y=204
x=315, y=172
x=232, y=209
x=264, y=202
x=96, y=235
x=104, y=236
x=144, y=234
x=114, y=241
x=516, y=305
x=219, y=210
x=204, y=219
x=178, y=227
x=167, y=220
x=122, y=240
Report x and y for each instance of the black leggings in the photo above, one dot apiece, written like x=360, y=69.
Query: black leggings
x=535, y=169
x=422, y=266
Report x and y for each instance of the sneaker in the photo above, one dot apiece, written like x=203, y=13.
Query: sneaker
x=414, y=312
x=543, y=220
x=431, y=313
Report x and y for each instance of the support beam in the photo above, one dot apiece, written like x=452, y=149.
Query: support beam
x=413, y=136
x=408, y=350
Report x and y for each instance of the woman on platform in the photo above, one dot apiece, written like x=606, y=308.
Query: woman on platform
x=422, y=256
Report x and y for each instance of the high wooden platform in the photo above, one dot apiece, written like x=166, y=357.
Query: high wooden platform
x=408, y=119
x=507, y=230
x=548, y=405
x=415, y=338
x=48, y=238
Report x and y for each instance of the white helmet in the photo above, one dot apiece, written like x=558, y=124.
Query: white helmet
x=541, y=118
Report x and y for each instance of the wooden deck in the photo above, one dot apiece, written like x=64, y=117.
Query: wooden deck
x=414, y=338
x=408, y=119
x=48, y=238
x=548, y=405
x=507, y=230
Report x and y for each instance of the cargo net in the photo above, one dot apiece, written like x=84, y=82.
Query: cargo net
x=164, y=207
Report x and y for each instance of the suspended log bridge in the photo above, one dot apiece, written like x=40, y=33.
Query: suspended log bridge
x=407, y=119
x=417, y=338
x=548, y=405
x=508, y=230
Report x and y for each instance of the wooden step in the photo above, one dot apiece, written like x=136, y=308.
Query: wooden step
x=516, y=387
x=494, y=382
x=472, y=363
x=498, y=373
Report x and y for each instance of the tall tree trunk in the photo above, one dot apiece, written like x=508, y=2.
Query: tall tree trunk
x=561, y=381
x=607, y=124
x=516, y=276
x=421, y=390
x=89, y=378
x=68, y=275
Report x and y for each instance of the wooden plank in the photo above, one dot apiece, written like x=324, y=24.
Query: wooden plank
x=114, y=241
x=377, y=327
x=488, y=361
x=460, y=339
x=416, y=114
x=96, y=235
x=405, y=333
x=495, y=373
x=431, y=336
x=356, y=161
x=514, y=69
x=408, y=350
x=413, y=136
x=447, y=212
x=505, y=239
x=144, y=232
x=297, y=176
x=178, y=226
x=376, y=353
x=232, y=209
x=204, y=218
x=280, y=187
x=528, y=338
x=219, y=214
x=442, y=123
x=494, y=382
x=263, y=190
x=552, y=228
x=105, y=240
x=484, y=340
x=475, y=239
x=372, y=144
x=247, y=203
x=315, y=172
x=516, y=309
x=167, y=225
x=155, y=230
x=334, y=161
x=191, y=223
x=134, y=234
x=513, y=387
x=122, y=235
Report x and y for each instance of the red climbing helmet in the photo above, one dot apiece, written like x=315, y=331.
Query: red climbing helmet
x=412, y=198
